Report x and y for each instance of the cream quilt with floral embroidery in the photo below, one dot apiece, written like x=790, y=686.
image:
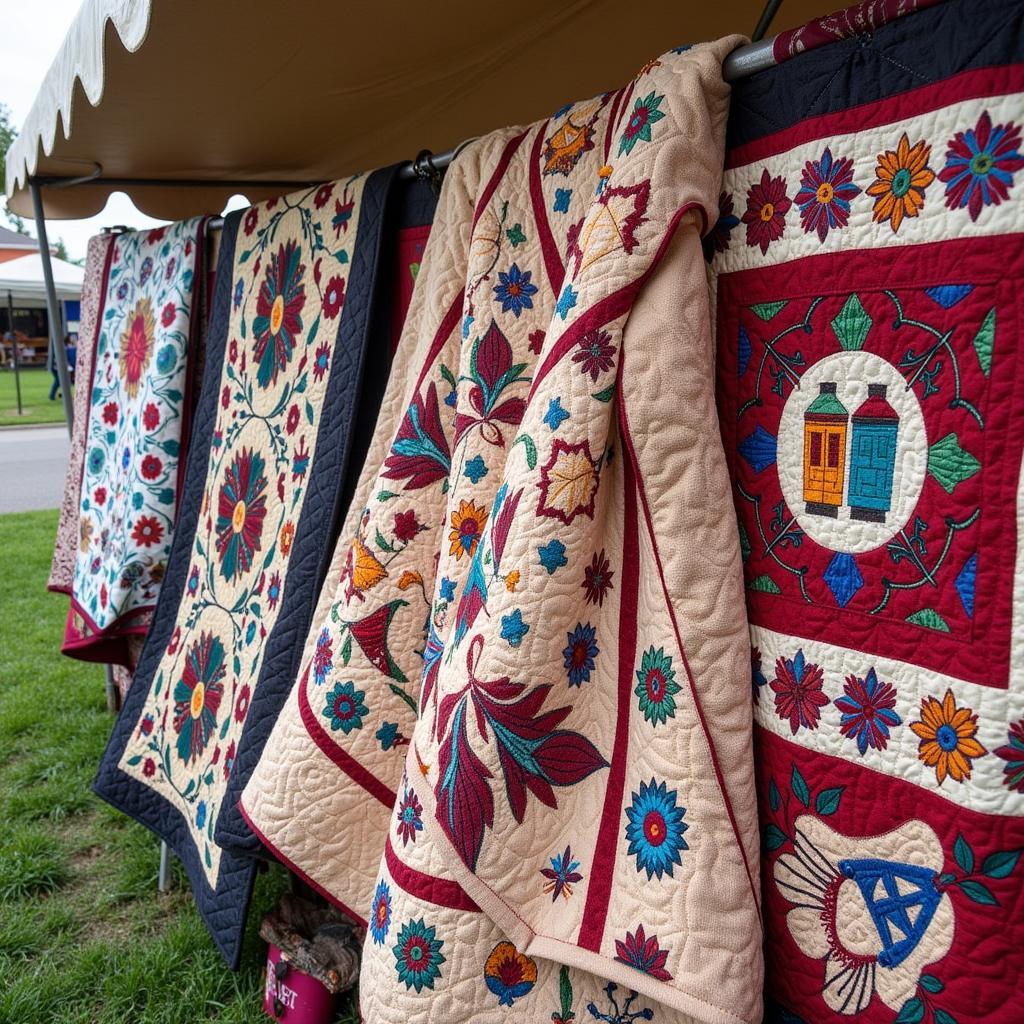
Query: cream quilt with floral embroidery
x=527, y=684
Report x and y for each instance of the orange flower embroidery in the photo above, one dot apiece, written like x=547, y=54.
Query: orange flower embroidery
x=947, y=738
x=467, y=527
x=901, y=180
x=287, y=536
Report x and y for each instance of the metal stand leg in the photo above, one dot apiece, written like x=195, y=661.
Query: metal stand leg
x=111, y=690
x=163, y=880
x=52, y=307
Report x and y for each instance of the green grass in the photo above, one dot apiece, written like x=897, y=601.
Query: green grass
x=85, y=938
x=35, y=398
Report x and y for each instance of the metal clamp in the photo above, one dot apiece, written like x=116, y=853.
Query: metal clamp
x=425, y=169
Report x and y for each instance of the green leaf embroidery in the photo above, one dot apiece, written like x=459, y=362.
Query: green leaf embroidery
x=414, y=270
x=852, y=324
x=346, y=650
x=984, y=340
x=132, y=761
x=744, y=544
x=448, y=375
x=774, y=800
x=827, y=801
x=765, y=584
x=531, y=449
x=1001, y=864
x=963, y=853
x=931, y=984
x=799, y=786
x=399, y=692
x=930, y=619
x=766, y=310
x=606, y=395
x=382, y=543
x=950, y=464
x=943, y=1016
x=978, y=893
x=911, y=1013
x=774, y=837
x=947, y=879
x=313, y=329
x=386, y=495
x=564, y=984
x=341, y=256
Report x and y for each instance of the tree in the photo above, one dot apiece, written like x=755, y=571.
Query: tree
x=8, y=133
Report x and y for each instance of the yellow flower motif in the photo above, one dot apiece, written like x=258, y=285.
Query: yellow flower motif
x=902, y=177
x=84, y=533
x=287, y=536
x=409, y=579
x=467, y=528
x=947, y=738
x=512, y=581
x=367, y=571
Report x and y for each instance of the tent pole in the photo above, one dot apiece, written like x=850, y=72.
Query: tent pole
x=14, y=348
x=52, y=308
x=163, y=878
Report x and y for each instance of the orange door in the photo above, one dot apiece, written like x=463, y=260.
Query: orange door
x=824, y=447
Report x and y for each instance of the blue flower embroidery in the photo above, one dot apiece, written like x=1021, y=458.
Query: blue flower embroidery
x=552, y=556
x=580, y=653
x=476, y=469
x=555, y=415
x=566, y=301
x=655, y=829
x=344, y=707
x=513, y=629
x=515, y=290
x=562, y=197
x=380, y=916
x=387, y=734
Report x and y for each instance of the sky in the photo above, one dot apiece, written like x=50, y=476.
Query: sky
x=30, y=36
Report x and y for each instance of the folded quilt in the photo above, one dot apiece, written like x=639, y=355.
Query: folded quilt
x=566, y=796
x=136, y=426
x=868, y=271
x=274, y=432
x=94, y=281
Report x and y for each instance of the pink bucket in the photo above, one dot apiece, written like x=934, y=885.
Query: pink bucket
x=294, y=997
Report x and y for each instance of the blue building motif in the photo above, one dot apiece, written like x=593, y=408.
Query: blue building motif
x=872, y=457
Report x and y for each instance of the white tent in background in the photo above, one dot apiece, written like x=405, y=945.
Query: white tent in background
x=23, y=278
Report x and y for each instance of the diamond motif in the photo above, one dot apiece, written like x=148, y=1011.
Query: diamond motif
x=843, y=577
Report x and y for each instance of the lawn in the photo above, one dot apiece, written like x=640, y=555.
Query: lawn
x=35, y=398
x=84, y=935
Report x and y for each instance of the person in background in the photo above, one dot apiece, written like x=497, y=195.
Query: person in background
x=72, y=353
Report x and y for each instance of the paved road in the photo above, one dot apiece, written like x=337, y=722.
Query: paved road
x=32, y=465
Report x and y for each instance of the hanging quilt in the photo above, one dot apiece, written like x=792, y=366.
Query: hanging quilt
x=867, y=265
x=94, y=283
x=284, y=366
x=522, y=688
x=137, y=427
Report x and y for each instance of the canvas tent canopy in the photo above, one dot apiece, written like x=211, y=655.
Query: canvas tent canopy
x=181, y=103
x=23, y=278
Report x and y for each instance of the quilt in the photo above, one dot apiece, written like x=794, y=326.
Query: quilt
x=520, y=686
x=94, y=282
x=867, y=275
x=284, y=363
x=136, y=428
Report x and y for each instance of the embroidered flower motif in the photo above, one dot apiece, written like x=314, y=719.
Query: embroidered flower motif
x=1013, y=755
x=901, y=179
x=946, y=734
x=514, y=290
x=646, y=112
x=580, y=653
x=380, y=915
x=643, y=953
x=509, y=974
x=562, y=151
x=322, y=362
x=513, y=629
x=512, y=581
x=595, y=353
x=151, y=467
x=798, y=692
x=323, y=195
x=197, y=696
x=344, y=707
x=151, y=416
x=148, y=530
x=229, y=760
x=342, y=214
x=241, y=509
x=406, y=525
x=552, y=556
x=110, y=413
x=252, y=216
x=136, y=347
x=655, y=829
x=845, y=910
x=242, y=703
x=867, y=706
x=334, y=297
x=300, y=460
x=597, y=579
x=274, y=591
x=826, y=189
x=980, y=164
x=167, y=314
x=475, y=469
x=409, y=816
x=656, y=686
x=562, y=875
x=278, y=319
x=286, y=536
x=568, y=482
x=418, y=956
x=757, y=677
x=323, y=657
x=717, y=239
x=767, y=206
x=467, y=527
